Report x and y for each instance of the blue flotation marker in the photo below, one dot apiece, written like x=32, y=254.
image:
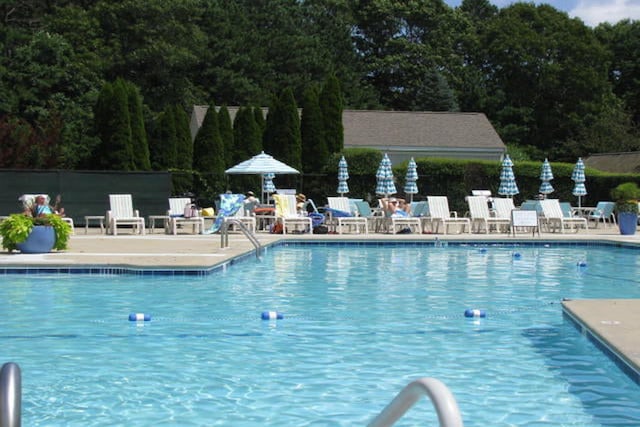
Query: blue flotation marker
x=272, y=315
x=517, y=255
x=474, y=312
x=483, y=250
x=582, y=263
x=139, y=317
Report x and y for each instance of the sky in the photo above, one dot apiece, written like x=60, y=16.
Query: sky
x=592, y=12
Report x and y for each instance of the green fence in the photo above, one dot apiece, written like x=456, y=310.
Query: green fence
x=86, y=193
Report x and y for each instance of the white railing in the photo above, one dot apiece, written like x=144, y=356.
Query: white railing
x=224, y=234
x=10, y=395
x=440, y=395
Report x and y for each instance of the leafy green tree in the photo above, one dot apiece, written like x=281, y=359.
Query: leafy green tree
x=546, y=76
x=315, y=153
x=623, y=43
x=398, y=41
x=112, y=125
x=331, y=106
x=210, y=159
x=226, y=134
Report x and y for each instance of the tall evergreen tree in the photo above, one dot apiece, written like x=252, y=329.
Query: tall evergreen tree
x=269, y=142
x=259, y=119
x=184, y=145
x=210, y=159
x=139, y=143
x=331, y=105
x=163, y=146
x=112, y=124
x=287, y=130
x=226, y=133
x=315, y=153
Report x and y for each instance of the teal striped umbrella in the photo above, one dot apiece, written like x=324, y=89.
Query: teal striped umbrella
x=508, y=186
x=384, y=177
x=343, y=176
x=546, y=176
x=410, y=185
x=267, y=183
x=578, y=177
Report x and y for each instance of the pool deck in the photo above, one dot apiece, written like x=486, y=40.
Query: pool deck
x=614, y=324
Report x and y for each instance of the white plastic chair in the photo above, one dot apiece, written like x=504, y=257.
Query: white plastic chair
x=342, y=204
x=440, y=214
x=481, y=216
x=175, y=216
x=287, y=214
x=553, y=216
x=121, y=212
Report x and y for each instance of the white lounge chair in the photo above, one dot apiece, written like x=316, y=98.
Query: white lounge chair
x=439, y=213
x=121, y=212
x=288, y=216
x=481, y=216
x=341, y=216
x=554, y=218
x=176, y=216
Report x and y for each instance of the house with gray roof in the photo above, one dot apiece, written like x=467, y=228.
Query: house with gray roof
x=406, y=134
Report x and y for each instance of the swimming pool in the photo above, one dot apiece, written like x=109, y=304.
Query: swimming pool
x=360, y=322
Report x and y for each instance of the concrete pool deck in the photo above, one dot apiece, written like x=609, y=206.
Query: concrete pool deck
x=613, y=323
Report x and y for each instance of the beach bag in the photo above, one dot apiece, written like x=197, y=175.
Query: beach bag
x=276, y=228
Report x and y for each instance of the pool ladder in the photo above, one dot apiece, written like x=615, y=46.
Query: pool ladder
x=440, y=395
x=10, y=395
x=224, y=235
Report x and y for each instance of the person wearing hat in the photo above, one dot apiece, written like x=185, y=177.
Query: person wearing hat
x=301, y=200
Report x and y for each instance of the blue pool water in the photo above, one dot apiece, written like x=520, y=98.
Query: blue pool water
x=360, y=323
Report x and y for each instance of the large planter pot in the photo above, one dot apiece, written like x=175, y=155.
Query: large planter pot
x=40, y=241
x=627, y=222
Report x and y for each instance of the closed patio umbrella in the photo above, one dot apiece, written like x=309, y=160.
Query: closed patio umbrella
x=267, y=185
x=578, y=177
x=384, y=177
x=343, y=176
x=410, y=186
x=508, y=186
x=546, y=176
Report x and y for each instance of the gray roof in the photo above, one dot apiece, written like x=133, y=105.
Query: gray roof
x=419, y=129
x=628, y=162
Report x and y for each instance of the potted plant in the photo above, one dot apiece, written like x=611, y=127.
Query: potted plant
x=34, y=235
x=626, y=197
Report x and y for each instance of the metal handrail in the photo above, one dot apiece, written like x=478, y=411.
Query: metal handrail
x=440, y=395
x=10, y=395
x=224, y=234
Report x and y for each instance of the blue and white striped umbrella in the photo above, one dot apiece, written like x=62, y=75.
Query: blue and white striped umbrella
x=546, y=176
x=578, y=177
x=343, y=176
x=410, y=186
x=267, y=183
x=384, y=177
x=508, y=186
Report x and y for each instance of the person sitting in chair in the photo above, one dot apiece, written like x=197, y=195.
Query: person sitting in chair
x=395, y=207
x=40, y=208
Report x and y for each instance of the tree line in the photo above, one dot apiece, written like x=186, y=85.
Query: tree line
x=551, y=86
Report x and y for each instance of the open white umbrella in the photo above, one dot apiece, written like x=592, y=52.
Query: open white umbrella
x=508, y=186
x=546, y=176
x=410, y=186
x=343, y=176
x=578, y=177
x=261, y=164
x=384, y=177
